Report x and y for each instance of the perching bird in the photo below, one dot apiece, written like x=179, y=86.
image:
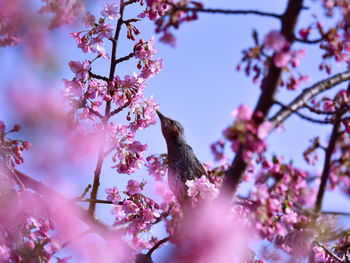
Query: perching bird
x=183, y=165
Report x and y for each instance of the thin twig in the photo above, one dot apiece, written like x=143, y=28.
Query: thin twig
x=120, y=108
x=96, y=113
x=327, y=164
x=307, y=95
x=328, y=251
x=85, y=191
x=304, y=116
x=124, y=58
x=306, y=41
x=99, y=201
x=225, y=11
x=317, y=111
x=157, y=245
x=98, y=76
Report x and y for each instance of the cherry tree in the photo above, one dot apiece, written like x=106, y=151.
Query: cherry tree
x=100, y=114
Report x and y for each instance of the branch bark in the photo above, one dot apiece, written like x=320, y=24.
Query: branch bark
x=307, y=95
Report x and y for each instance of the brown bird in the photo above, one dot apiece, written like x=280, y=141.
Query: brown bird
x=183, y=165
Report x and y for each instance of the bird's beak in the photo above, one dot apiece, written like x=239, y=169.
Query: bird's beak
x=161, y=116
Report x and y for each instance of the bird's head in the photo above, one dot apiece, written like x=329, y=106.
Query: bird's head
x=171, y=129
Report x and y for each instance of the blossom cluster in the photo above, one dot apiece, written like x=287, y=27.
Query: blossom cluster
x=65, y=11
x=27, y=232
x=335, y=41
x=279, y=190
x=11, y=151
x=139, y=211
x=201, y=190
x=245, y=132
x=88, y=93
x=92, y=40
x=168, y=14
x=157, y=166
x=283, y=56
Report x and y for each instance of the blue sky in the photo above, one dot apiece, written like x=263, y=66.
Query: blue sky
x=198, y=85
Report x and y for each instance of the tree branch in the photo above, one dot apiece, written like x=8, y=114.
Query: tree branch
x=124, y=58
x=157, y=245
x=100, y=159
x=289, y=19
x=306, y=41
x=327, y=164
x=98, y=76
x=120, y=108
x=304, y=116
x=307, y=95
x=225, y=11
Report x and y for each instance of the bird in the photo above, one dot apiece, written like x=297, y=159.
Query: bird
x=183, y=164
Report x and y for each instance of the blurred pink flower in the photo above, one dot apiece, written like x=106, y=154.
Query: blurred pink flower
x=281, y=59
x=133, y=187
x=110, y=11
x=275, y=41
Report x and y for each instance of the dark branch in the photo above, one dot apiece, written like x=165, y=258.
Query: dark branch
x=307, y=95
x=157, y=245
x=327, y=164
x=85, y=191
x=306, y=41
x=225, y=11
x=98, y=76
x=124, y=58
x=96, y=113
x=304, y=116
x=116, y=111
x=317, y=111
x=92, y=201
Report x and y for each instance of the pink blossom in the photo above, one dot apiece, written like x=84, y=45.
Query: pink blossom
x=133, y=187
x=80, y=69
x=329, y=106
x=201, y=190
x=103, y=30
x=65, y=11
x=118, y=212
x=275, y=41
x=264, y=129
x=89, y=19
x=281, y=59
x=320, y=254
x=145, y=50
x=168, y=38
x=297, y=56
x=110, y=11
x=242, y=113
x=304, y=33
x=129, y=207
x=113, y=195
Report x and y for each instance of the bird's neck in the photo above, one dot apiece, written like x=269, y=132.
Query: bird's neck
x=176, y=145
